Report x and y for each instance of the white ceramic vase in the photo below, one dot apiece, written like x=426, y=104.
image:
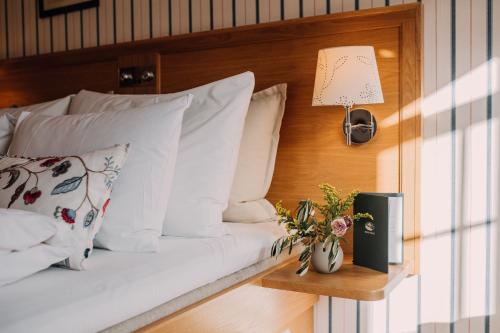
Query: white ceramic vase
x=320, y=259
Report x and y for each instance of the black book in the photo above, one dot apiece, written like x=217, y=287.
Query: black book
x=378, y=243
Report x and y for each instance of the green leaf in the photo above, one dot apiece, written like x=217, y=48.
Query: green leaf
x=328, y=240
x=362, y=216
x=274, y=247
x=303, y=269
x=348, y=202
x=343, y=240
x=284, y=243
x=303, y=212
x=332, y=256
x=66, y=186
x=305, y=253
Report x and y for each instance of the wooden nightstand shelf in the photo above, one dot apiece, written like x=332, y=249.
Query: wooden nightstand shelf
x=351, y=281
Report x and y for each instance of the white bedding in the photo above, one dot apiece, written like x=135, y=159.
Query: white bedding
x=30, y=242
x=117, y=285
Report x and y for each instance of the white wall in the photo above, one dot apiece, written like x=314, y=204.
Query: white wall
x=457, y=290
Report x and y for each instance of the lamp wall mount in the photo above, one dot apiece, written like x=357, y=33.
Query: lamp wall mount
x=359, y=125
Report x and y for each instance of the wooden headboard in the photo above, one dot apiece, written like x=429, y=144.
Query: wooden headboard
x=312, y=148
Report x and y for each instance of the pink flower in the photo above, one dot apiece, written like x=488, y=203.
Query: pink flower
x=339, y=227
x=348, y=221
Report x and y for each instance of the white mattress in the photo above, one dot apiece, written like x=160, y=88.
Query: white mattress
x=117, y=286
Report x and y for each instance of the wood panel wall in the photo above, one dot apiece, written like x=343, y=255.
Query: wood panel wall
x=312, y=148
x=117, y=21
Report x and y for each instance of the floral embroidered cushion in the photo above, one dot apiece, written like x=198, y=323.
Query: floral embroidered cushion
x=74, y=190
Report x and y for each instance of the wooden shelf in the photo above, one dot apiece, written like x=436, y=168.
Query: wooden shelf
x=350, y=281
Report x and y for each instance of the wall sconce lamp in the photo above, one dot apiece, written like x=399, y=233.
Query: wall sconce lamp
x=347, y=76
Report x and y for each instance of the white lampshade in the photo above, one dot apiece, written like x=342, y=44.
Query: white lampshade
x=347, y=75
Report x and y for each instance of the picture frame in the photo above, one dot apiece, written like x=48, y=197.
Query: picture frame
x=47, y=8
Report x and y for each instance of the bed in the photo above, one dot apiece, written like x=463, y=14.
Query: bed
x=132, y=295
x=117, y=285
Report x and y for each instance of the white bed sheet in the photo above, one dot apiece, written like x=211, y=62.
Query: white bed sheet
x=118, y=285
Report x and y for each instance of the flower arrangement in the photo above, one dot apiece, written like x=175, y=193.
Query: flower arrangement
x=327, y=229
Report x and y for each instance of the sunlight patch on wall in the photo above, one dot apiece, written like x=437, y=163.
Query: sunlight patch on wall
x=386, y=182
x=385, y=53
x=470, y=87
x=404, y=317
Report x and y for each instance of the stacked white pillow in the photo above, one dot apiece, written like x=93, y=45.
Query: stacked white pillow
x=135, y=215
x=257, y=158
x=208, y=151
x=8, y=117
x=186, y=165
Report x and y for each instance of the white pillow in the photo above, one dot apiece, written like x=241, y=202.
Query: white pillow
x=30, y=242
x=73, y=190
x=57, y=107
x=93, y=102
x=8, y=117
x=208, y=150
x=20, y=229
x=257, y=157
x=138, y=203
x=7, y=125
x=20, y=264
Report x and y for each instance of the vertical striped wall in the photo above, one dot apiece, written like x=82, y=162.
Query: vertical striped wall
x=458, y=289
x=22, y=33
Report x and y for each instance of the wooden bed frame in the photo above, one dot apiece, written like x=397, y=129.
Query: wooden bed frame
x=311, y=148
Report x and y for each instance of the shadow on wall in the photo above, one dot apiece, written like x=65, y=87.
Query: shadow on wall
x=461, y=325
x=460, y=202
x=460, y=186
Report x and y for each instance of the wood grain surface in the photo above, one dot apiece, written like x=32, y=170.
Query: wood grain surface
x=350, y=281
